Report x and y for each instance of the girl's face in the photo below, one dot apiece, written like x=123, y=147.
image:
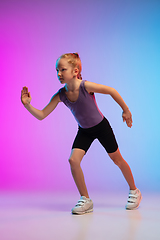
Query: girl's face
x=65, y=71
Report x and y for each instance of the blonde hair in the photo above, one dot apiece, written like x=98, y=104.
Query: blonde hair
x=74, y=60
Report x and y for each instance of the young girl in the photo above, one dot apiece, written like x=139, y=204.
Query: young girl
x=78, y=96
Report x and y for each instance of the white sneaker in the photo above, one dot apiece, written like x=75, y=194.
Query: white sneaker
x=134, y=199
x=84, y=205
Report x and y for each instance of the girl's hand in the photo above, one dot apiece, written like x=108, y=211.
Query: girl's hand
x=127, y=117
x=25, y=96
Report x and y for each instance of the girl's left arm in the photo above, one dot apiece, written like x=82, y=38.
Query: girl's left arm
x=99, y=88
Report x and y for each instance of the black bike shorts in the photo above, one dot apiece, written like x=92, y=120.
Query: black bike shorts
x=102, y=131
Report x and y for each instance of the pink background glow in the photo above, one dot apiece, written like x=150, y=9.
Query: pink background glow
x=118, y=42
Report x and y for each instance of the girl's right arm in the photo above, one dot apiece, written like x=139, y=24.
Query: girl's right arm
x=39, y=114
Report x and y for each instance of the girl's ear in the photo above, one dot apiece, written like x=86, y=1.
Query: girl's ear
x=75, y=71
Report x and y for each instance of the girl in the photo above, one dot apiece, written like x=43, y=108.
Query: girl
x=78, y=96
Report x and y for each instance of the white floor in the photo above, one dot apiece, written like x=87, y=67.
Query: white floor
x=46, y=216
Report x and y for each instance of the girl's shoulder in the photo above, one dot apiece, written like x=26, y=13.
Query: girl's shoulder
x=61, y=93
x=87, y=85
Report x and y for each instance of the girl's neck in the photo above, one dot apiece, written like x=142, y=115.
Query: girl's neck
x=73, y=85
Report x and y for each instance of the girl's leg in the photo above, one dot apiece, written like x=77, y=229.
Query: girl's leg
x=124, y=167
x=135, y=196
x=75, y=160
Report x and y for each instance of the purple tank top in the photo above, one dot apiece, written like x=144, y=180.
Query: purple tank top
x=85, y=109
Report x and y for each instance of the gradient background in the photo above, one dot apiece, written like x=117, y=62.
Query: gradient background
x=119, y=45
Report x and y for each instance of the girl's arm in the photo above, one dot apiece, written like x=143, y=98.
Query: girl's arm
x=99, y=88
x=39, y=114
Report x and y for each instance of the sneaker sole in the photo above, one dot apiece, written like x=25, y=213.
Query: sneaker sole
x=80, y=213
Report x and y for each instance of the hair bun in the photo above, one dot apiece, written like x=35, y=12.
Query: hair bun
x=77, y=55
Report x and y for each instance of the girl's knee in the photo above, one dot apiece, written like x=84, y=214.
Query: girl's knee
x=116, y=158
x=76, y=157
x=117, y=161
x=74, y=162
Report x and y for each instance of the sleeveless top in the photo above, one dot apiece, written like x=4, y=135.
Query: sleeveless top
x=84, y=109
